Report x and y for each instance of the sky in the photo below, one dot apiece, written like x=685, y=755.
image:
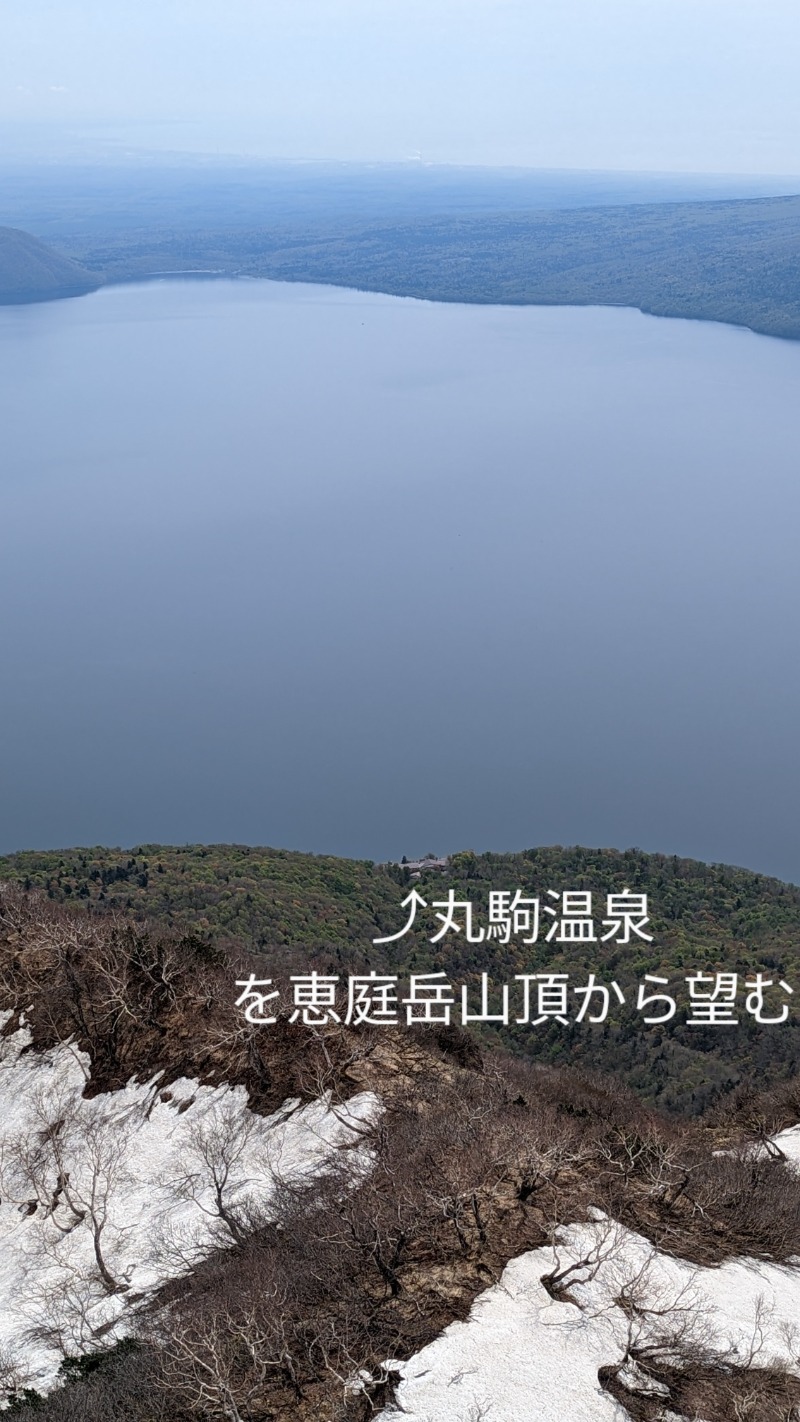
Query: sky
x=672, y=85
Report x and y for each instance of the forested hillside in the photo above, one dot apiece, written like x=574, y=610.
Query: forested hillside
x=300, y=911
x=736, y=261
x=207, y=1220
x=31, y=271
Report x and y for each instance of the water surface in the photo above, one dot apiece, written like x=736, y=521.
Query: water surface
x=334, y=571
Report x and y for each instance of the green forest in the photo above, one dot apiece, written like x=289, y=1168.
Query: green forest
x=736, y=262
x=300, y=911
x=32, y=271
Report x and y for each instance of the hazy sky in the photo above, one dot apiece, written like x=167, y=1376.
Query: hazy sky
x=703, y=85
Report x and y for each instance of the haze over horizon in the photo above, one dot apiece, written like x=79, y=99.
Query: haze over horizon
x=633, y=85
x=552, y=104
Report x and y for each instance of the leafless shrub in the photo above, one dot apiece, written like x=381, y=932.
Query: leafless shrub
x=473, y=1161
x=14, y=1372
x=672, y=1356
x=142, y=1003
x=119, y=1386
x=216, y=1144
x=709, y=1390
x=604, y=1245
x=63, y=1312
x=753, y=1199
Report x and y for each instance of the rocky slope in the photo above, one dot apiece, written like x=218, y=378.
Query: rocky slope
x=207, y=1219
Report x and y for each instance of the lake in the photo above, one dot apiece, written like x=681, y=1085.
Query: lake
x=341, y=572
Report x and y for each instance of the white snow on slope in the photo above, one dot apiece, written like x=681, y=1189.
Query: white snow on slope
x=521, y=1355
x=788, y=1142
x=139, y=1166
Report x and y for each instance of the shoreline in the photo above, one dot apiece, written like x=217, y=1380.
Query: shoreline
x=218, y=274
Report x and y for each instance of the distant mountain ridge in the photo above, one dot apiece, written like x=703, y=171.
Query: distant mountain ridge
x=32, y=271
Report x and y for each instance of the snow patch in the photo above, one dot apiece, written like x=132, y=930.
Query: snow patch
x=522, y=1353
x=788, y=1142
x=103, y=1200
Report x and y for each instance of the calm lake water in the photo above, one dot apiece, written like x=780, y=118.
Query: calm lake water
x=298, y=566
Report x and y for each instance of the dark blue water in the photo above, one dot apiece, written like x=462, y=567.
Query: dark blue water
x=296, y=566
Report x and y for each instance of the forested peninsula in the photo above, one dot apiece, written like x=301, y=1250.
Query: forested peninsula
x=735, y=262
x=731, y=261
x=32, y=271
